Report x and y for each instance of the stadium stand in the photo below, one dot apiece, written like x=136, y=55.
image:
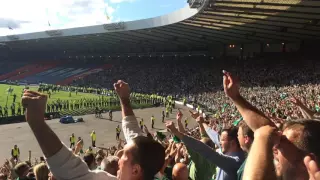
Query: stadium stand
x=9, y=69
x=61, y=72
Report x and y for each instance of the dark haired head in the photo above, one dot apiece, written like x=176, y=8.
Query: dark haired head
x=246, y=130
x=149, y=154
x=232, y=134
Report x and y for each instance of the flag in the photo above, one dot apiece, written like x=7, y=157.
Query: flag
x=10, y=28
x=105, y=12
x=236, y=122
x=317, y=108
x=49, y=23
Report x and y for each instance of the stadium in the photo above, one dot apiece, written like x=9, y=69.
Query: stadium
x=171, y=61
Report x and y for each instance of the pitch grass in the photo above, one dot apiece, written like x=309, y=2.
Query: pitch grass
x=62, y=95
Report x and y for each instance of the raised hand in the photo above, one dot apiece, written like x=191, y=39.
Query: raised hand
x=200, y=120
x=312, y=167
x=231, y=85
x=179, y=116
x=296, y=101
x=171, y=127
x=122, y=89
x=194, y=115
x=35, y=104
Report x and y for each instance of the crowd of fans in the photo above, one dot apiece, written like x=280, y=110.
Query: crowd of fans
x=267, y=129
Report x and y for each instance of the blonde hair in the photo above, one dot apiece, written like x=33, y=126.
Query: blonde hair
x=41, y=171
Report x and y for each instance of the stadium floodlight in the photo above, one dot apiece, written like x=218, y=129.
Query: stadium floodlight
x=282, y=43
x=240, y=48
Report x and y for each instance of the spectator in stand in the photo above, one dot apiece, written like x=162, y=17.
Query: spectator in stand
x=297, y=141
x=90, y=161
x=110, y=165
x=228, y=161
x=136, y=163
x=23, y=171
x=245, y=137
x=180, y=172
x=99, y=160
x=41, y=171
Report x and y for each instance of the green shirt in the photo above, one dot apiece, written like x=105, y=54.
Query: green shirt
x=240, y=170
x=199, y=167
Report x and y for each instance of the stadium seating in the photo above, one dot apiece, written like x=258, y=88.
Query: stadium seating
x=9, y=69
x=60, y=73
x=33, y=69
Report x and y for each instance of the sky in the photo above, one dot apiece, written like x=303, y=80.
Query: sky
x=25, y=16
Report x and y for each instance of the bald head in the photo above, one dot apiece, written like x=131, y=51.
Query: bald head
x=180, y=172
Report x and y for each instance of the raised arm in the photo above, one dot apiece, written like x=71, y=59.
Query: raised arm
x=179, y=119
x=205, y=129
x=227, y=163
x=35, y=104
x=213, y=135
x=263, y=167
x=251, y=115
x=306, y=112
x=130, y=124
x=62, y=162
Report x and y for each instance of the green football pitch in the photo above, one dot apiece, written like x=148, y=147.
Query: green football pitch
x=6, y=98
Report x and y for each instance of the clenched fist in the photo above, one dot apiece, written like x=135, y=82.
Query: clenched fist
x=122, y=89
x=35, y=104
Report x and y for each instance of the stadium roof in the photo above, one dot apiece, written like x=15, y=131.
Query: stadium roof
x=205, y=23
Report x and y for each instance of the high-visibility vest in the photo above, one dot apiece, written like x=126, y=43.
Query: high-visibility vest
x=93, y=136
x=141, y=123
x=152, y=118
x=118, y=130
x=15, y=151
x=89, y=151
x=72, y=139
